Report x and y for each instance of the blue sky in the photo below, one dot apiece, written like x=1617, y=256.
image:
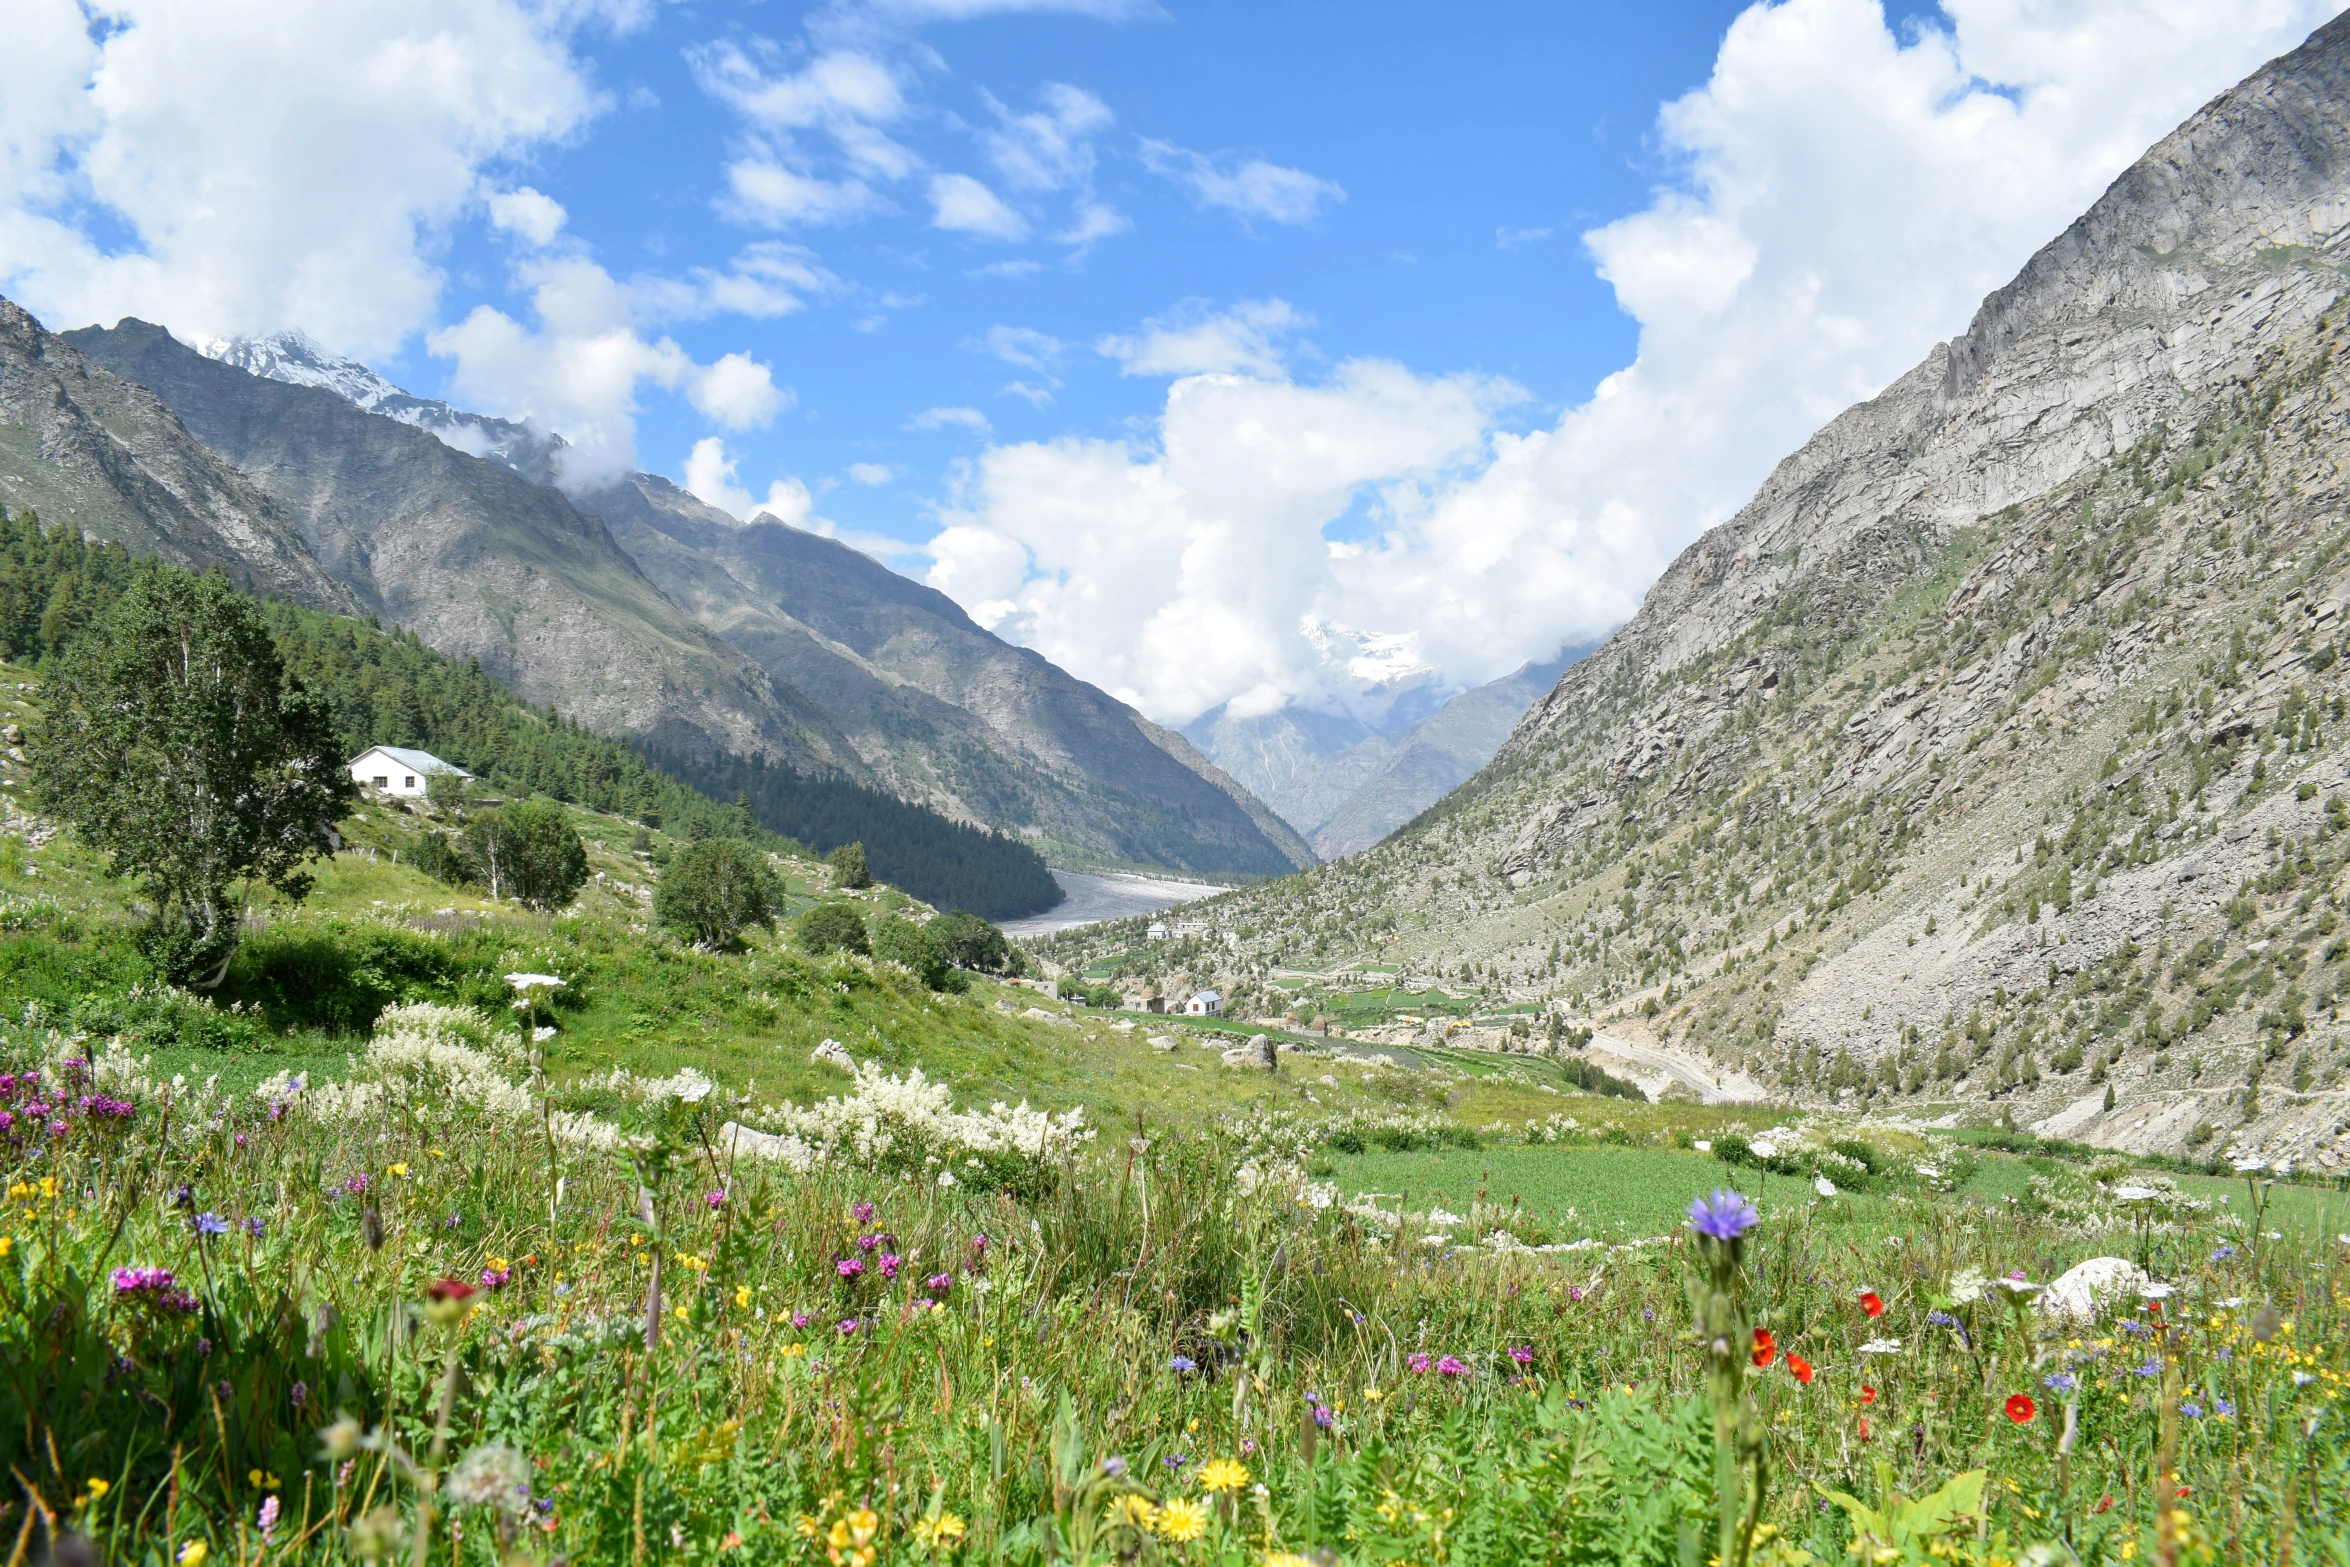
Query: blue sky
x=1225, y=354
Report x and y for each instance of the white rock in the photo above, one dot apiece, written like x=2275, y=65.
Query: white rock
x=2083, y=1291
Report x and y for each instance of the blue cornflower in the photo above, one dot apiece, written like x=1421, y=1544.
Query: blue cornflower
x=2223, y=1254
x=256, y=1227
x=2222, y=1407
x=2061, y=1383
x=1723, y=1216
x=1183, y=1365
x=2191, y=1409
x=2152, y=1368
x=211, y=1224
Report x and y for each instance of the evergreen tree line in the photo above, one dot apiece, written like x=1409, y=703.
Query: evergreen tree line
x=385, y=687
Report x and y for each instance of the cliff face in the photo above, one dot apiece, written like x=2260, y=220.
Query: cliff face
x=943, y=712
x=477, y=561
x=1988, y=756
x=80, y=446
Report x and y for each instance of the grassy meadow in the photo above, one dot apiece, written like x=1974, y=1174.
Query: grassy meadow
x=344, y=1264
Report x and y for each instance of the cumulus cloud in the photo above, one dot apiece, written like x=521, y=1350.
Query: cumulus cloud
x=528, y=215
x=1196, y=338
x=244, y=151
x=1251, y=187
x=709, y=476
x=1842, y=197
x=738, y=393
x=762, y=191
x=962, y=204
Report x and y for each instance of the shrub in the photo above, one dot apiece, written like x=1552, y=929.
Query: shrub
x=442, y=856
x=713, y=890
x=919, y=948
x=832, y=926
x=337, y=977
x=848, y=866
x=529, y=852
x=971, y=942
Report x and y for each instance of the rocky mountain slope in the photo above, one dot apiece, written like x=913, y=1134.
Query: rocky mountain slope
x=1344, y=784
x=477, y=561
x=1995, y=759
x=79, y=445
x=944, y=712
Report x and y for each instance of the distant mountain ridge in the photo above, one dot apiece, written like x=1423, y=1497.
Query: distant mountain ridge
x=1344, y=784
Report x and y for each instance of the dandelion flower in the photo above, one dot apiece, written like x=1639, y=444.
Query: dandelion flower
x=1130, y=1512
x=193, y=1554
x=1222, y=1474
x=1182, y=1520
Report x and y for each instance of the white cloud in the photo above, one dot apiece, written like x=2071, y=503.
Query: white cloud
x=1507, y=238
x=1050, y=148
x=871, y=473
x=1007, y=269
x=1194, y=338
x=709, y=476
x=965, y=10
x=762, y=191
x=1022, y=346
x=274, y=164
x=1251, y=187
x=962, y=204
x=1034, y=396
x=1845, y=198
x=939, y=418
x=738, y=393
x=528, y=215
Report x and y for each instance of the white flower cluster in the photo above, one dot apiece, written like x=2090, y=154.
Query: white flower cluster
x=686, y=1085
x=422, y=1057
x=906, y=1121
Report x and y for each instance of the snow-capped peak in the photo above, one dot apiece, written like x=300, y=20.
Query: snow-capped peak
x=293, y=357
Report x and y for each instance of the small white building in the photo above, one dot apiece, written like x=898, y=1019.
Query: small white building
x=1206, y=1004
x=1157, y=931
x=397, y=771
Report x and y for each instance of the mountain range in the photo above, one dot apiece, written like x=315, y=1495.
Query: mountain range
x=1997, y=752
x=637, y=610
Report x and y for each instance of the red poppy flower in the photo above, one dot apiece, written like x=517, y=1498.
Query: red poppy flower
x=2106, y=1505
x=1766, y=1348
x=449, y=1289
x=1868, y=1395
x=1870, y=1303
x=1864, y=1428
x=2020, y=1408
x=1800, y=1366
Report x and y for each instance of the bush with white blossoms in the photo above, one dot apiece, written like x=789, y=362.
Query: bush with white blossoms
x=910, y=1122
x=422, y=1058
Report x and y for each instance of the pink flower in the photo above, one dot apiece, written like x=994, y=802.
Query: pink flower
x=889, y=1264
x=1523, y=1354
x=1420, y=1362
x=850, y=1267
x=1449, y=1367
x=716, y=1199
x=863, y=1212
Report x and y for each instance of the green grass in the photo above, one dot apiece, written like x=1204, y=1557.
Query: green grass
x=1569, y=1193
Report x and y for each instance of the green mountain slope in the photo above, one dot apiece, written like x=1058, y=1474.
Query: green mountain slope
x=1988, y=761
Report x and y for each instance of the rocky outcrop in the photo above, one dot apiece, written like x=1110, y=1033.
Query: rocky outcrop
x=81, y=447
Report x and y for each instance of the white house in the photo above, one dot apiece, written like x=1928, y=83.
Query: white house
x=397, y=771
x=1206, y=1004
x=1157, y=932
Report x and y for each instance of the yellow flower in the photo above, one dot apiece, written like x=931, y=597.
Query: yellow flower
x=681, y=1313
x=7, y=1244
x=436, y=1153
x=1182, y=1519
x=1132, y=1512
x=942, y=1533
x=498, y=1263
x=1287, y=1559
x=193, y=1553
x=806, y=1525
x=793, y=1351
x=97, y=1488
x=400, y=1169
x=1223, y=1474
x=742, y=1295
x=1372, y=1395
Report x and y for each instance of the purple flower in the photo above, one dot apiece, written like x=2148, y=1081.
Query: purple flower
x=939, y=1283
x=1723, y=1216
x=1449, y=1367
x=1183, y=1365
x=496, y=1278
x=2152, y=1368
x=868, y=1242
x=848, y=1325
x=889, y=1264
x=257, y=1228
x=2061, y=1383
x=1323, y=1417
x=863, y=1212
x=1175, y=1460
x=2191, y=1409
x=850, y=1267
x=2222, y=1407
x=1523, y=1354
x=1113, y=1466
x=716, y=1200
x=211, y=1224
x=2223, y=1254
x=799, y=1319
x=299, y=1393
x=1421, y=1361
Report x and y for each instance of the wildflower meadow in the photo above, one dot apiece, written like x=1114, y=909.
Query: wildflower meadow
x=438, y=1310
